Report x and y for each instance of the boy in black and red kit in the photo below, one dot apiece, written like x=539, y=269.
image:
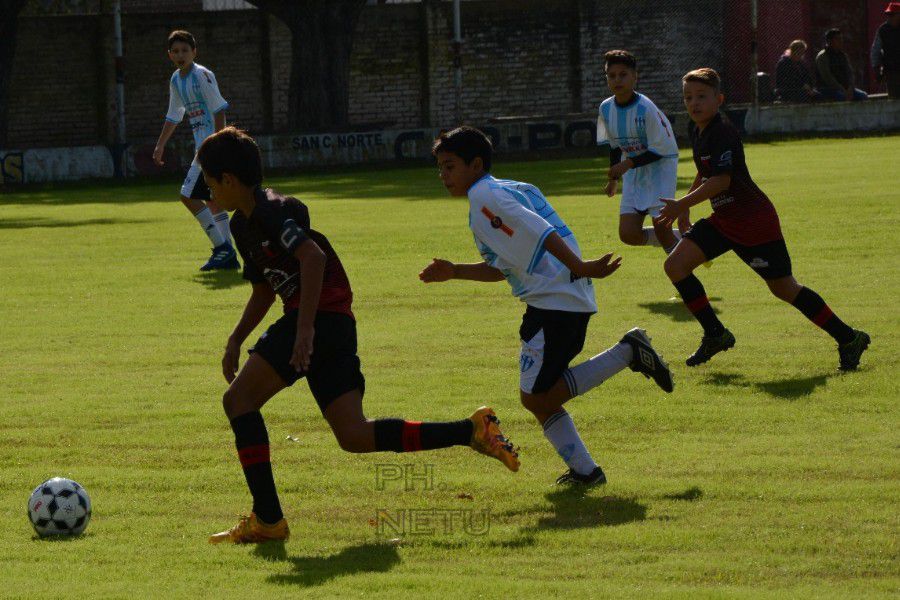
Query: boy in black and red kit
x=315, y=338
x=743, y=220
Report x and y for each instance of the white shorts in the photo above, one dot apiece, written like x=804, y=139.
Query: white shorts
x=644, y=186
x=194, y=187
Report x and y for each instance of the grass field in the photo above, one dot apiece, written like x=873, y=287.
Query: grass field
x=766, y=473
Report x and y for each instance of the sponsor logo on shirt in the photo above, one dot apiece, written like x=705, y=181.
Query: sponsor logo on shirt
x=725, y=159
x=496, y=222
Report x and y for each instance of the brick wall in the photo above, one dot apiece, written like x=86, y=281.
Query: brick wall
x=520, y=57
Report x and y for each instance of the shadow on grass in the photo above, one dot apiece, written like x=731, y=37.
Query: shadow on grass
x=220, y=280
x=573, y=508
x=691, y=494
x=41, y=223
x=309, y=571
x=674, y=309
x=789, y=389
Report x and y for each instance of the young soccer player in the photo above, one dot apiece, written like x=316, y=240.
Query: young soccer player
x=743, y=220
x=315, y=338
x=643, y=154
x=523, y=241
x=193, y=90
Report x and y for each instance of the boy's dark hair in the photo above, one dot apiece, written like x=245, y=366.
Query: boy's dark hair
x=467, y=143
x=180, y=35
x=231, y=150
x=832, y=33
x=619, y=57
x=704, y=75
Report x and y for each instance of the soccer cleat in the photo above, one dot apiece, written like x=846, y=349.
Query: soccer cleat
x=852, y=350
x=488, y=439
x=647, y=361
x=251, y=530
x=570, y=477
x=710, y=346
x=223, y=258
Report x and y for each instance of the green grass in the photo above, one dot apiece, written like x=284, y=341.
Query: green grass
x=766, y=473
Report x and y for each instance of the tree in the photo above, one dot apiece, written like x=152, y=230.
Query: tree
x=321, y=42
x=9, y=18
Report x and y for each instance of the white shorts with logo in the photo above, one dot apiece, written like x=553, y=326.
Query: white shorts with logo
x=642, y=187
x=194, y=187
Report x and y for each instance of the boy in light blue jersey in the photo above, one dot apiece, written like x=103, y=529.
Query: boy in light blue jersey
x=522, y=240
x=193, y=91
x=643, y=153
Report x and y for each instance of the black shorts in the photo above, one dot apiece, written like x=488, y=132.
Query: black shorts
x=550, y=340
x=770, y=260
x=334, y=365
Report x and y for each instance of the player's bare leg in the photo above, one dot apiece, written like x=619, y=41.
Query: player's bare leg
x=851, y=342
x=256, y=383
x=631, y=229
x=355, y=433
x=679, y=266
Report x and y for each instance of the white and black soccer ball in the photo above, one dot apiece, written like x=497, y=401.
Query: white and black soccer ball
x=59, y=506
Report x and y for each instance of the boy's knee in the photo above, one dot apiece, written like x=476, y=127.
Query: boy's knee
x=632, y=238
x=673, y=269
x=351, y=440
x=231, y=403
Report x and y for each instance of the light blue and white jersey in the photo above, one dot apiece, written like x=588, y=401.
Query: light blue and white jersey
x=510, y=221
x=197, y=95
x=636, y=128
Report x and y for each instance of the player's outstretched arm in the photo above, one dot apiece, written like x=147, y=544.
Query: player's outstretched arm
x=258, y=305
x=312, y=271
x=598, y=269
x=443, y=270
x=710, y=188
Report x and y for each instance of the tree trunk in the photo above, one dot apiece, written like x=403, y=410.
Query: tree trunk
x=9, y=16
x=321, y=43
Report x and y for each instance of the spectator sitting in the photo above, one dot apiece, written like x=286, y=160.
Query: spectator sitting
x=885, y=53
x=793, y=81
x=835, y=75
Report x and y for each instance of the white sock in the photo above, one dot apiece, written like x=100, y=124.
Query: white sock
x=598, y=369
x=560, y=431
x=221, y=220
x=650, y=235
x=205, y=218
x=677, y=235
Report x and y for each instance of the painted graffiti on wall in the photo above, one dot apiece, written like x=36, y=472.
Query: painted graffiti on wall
x=11, y=168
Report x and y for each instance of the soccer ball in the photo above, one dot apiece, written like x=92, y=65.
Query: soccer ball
x=59, y=506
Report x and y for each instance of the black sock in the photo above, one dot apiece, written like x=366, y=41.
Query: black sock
x=397, y=435
x=694, y=297
x=814, y=308
x=252, y=441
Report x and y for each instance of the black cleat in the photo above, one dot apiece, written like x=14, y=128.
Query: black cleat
x=852, y=350
x=647, y=360
x=570, y=477
x=710, y=346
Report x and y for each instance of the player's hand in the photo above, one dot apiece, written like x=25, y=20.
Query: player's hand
x=158, y=156
x=439, y=270
x=617, y=170
x=303, y=348
x=602, y=267
x=230, y=360
x=611, y=187
x=684, y=222
x=670, y=211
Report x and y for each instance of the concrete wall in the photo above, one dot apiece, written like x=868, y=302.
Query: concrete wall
x=510, y=136
x=520, y=57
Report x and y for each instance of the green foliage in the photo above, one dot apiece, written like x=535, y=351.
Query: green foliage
x=766, y=473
